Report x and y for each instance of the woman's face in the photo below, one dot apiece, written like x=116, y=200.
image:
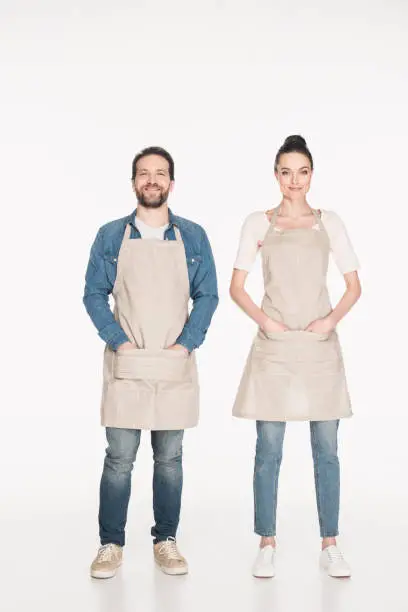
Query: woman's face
x=294, y=174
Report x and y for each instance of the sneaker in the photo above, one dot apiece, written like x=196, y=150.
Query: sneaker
x=333, y=562
x=107, y=561
x=264, y=566
x=168, y=558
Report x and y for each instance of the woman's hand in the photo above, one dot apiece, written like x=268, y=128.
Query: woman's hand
x=272, y=326
x=322, y=326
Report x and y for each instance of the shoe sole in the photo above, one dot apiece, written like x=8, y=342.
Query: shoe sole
x=172, y=571
x=100, y=575
x=264, y=574
x=326, y=569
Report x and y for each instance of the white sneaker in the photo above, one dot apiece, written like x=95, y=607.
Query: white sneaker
x=264, y=566
x=333, y=562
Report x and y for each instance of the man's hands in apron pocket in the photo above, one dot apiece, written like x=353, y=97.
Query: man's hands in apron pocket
x=133, y=363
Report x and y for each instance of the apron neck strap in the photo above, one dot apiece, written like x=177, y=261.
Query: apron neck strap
x=274, y=216
x=315, y=214
x=318, y=219
x=128, y=229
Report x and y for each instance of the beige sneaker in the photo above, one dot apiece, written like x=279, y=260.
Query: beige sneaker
x=107, y=561
x=168, y=558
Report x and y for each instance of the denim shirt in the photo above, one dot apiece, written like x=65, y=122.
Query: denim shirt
x=101, y=275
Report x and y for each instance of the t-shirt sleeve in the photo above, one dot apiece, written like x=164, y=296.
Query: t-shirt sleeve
x=340, y=243
x=253, y=231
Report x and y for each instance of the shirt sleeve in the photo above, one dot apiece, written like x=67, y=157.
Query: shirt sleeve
x=253, y=231
x=340, y=243
x=98, y=287
x=204, y=293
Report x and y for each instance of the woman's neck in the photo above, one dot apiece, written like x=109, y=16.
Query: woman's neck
x=294, y=208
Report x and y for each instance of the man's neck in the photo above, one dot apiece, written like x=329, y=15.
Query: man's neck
x=155, y=217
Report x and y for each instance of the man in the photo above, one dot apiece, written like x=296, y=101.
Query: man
x=152, y=262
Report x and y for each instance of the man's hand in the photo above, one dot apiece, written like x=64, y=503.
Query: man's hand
x=126, y=346
x=178, y=347
x=321, y=326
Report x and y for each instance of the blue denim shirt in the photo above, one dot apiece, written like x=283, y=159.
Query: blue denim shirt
x=101, y=275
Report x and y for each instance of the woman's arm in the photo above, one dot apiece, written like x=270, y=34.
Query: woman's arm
x=244, y=301
x=350, y=297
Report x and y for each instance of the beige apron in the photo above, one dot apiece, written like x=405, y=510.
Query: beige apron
x=149, y=387
x=294, y=375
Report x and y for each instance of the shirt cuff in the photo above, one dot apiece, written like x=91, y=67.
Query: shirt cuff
x=186, y=340
x=114, y=336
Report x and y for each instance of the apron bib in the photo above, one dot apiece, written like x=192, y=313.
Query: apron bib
x=149, y=387
x=294, y=375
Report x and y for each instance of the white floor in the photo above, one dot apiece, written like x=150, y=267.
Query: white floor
x=46, y=555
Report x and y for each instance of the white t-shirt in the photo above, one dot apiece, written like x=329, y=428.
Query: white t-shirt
x=256, y=225
x=147, y=231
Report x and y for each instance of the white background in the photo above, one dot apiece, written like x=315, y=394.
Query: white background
x=220, y=84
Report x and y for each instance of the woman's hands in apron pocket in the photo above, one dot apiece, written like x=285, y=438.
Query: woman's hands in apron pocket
x=272, y=326
x=321, y=326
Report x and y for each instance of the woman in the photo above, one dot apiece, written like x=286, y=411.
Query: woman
x=295, y=369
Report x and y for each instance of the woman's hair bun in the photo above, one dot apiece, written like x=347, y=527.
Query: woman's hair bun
x=295, y=140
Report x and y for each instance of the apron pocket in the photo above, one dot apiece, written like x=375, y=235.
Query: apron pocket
x=296, y=335
x=296, y=347
x=145, y=364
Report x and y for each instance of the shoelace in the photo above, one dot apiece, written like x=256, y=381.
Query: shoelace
x=105, y=552
x=169, y=548
x=334, y=555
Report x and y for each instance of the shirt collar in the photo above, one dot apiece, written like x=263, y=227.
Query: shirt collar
x=173, y=219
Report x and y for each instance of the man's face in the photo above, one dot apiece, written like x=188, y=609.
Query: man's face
x=152, y=183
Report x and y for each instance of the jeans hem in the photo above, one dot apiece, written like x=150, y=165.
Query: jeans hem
x=264, y=535
x=111, y=541
x=158, y=539
x=330, y=534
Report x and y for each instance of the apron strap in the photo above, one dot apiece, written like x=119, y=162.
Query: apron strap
x=319, y=220
x=274, y=217
x=128, y=229
x=316, y=216
x=178, y=234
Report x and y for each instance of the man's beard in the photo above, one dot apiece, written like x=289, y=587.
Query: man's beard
x=158, y=201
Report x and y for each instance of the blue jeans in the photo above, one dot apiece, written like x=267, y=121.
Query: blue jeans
x=268, y=459
x=116, y=483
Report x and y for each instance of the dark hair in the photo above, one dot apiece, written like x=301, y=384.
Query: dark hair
x=294, y=144
x=154, y=151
